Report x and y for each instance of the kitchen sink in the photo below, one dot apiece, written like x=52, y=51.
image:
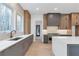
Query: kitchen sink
x=14, y=39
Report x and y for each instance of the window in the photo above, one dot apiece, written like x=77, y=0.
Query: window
x=5, y=18
x=19, y=23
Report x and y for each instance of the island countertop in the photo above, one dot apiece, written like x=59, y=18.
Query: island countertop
x=7, y=43
x=59, y=44
x=67, y=39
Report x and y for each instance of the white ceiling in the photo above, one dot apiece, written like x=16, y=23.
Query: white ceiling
x=49, y=7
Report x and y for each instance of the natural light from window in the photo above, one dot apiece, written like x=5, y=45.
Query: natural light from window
x=5, y=18
x=19, y=23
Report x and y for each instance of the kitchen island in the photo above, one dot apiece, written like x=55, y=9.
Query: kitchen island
x=65, y=45
x=18, y=47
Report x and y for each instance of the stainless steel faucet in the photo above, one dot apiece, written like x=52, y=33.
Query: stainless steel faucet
x=11, y=33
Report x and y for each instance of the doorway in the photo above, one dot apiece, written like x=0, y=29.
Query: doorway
x=38, y=31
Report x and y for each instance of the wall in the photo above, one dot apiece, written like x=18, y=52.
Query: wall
x=16, y=8
x=34, y=20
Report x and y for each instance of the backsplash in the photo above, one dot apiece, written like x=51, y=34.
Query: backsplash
x=52, y=29
x=4, y=36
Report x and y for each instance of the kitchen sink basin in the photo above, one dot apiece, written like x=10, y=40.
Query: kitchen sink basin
x=14, y=39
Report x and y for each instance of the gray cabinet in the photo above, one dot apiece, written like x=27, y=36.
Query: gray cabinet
x=18, y=49
x=53, y=19
x=1, y=53
x=73, y=50
x=25, y=45
x=45, y=38
x=15, y=50
x=27, y=42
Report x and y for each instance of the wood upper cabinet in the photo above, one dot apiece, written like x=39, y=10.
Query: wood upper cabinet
x=77, y=30
x=45, y=21
x=27, y=22
x=75, y=18
x=65, y=22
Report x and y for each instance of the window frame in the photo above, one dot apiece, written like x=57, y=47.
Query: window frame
x=9, y=7
x=17, y=22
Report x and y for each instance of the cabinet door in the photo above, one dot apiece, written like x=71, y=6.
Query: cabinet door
x=75, y=19
x=77, y=30
x=15, y=50
x=1, y=53
x=65, y=22
x=27, y=42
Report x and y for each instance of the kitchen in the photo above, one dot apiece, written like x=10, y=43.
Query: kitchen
x=49, y=27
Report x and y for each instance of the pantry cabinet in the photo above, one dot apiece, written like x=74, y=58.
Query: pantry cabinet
x=27, y=22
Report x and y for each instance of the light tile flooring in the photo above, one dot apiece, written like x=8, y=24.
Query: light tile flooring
x=39, y=49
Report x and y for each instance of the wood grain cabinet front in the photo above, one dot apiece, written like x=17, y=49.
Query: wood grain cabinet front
x=65, y=22
x=75, y=18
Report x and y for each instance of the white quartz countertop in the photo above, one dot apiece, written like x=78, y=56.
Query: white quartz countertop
x=59, y=43
x=7, y=43
x=67, y=39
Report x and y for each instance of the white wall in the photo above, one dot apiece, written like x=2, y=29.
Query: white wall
x=16, y=9
x=37, y=19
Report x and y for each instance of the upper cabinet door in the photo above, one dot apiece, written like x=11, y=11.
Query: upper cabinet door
x=75, y=18
x=45, y=21
x=65, y=22
x=77, y=21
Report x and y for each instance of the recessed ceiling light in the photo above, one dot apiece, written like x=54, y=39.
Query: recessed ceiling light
x=55, y=8
x=37, y=8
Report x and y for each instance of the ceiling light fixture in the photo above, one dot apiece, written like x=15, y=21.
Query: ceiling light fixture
x=37, y=9
x=55, y=8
